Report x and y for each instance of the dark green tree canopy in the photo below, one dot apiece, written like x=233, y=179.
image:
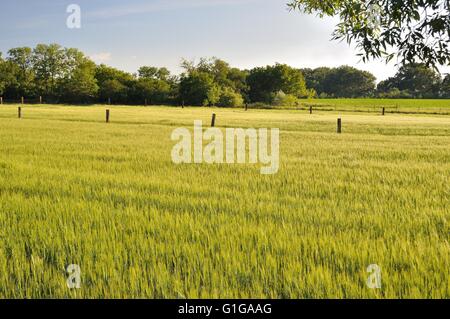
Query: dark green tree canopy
x=413, y=30
x=78, y=83
x=154, y=85
x=211, y=82
x=344, y=81
x=114, y=84
x=349, y=82
x=19, y=66
x=49, y=66
x=414, y=80
x=151, y=72
x=3, y=74
x=445, y=87
x=265, y=82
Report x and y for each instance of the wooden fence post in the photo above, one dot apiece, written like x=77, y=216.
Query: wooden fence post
x=310, y=109
x=213, y=120
x=246, y=106
x=339, y=126
x=19, y=112
x=40, y=99
x=384, y=111
x=107, y=116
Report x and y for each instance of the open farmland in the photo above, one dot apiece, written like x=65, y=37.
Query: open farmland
x=107, y=197
x=399, y=106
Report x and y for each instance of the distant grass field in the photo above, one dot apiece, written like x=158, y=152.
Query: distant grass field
x=390, y=105
x=75, y=190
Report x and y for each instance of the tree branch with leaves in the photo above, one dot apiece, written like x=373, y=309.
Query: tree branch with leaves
x=411, y=30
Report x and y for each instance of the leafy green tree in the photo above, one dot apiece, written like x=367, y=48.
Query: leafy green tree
x=224, y=75
x=78, y=83
x=3, y=77
x=311, y=94
x=445, y=87
x=3, y=81
x=282, y=99
x=212, y=81
x=204, y=82
x=113, y=84
x=114, y=91
x=415, y=80
x=49, y=66
x=220, y=70
x=394, y=93
x=291, y=80
x=419, y=80
x=19, y=67
x=308, y=74
x=409, y=29
x=349, y=82
x=265, y=82
x=230, y=98
x=388, y=85
x=344, y=81
x=152, y=90
x=156, y=85
x=213, y=95
x=196, y=87
x=104, y=73
x=150, y=72
x=238, y=81
x=316, y=79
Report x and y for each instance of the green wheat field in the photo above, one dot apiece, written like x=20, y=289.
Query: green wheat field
x=107, y=197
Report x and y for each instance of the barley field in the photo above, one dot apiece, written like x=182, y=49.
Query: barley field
x=107, y=197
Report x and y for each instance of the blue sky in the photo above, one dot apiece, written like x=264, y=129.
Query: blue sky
x=132, y=33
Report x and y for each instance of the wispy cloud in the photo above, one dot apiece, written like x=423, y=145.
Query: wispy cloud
x=159, y=5
x=101, y=57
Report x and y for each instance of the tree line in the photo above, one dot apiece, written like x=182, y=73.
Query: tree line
x=67, y=75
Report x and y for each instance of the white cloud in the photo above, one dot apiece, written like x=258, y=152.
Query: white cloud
x=101, y=57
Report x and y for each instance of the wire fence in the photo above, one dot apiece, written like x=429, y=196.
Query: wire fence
x=311, y=108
